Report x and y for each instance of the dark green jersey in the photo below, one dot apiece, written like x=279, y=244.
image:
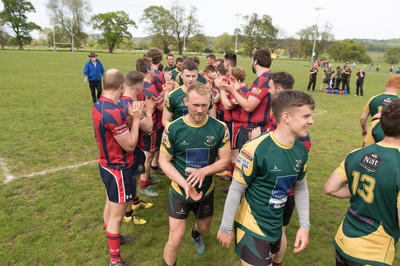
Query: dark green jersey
x=370, y=229
x=376, y=103
x=175, y=73
x=328, y=72
x=194, y=146
x=374, y=133
x=169, y=68
x=269, y=169
x=174, y=103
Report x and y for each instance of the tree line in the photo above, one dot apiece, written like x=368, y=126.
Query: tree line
x=173, y=29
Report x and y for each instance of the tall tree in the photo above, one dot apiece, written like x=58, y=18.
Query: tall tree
x=349, y=50
x=114, y=26
x=159, y=23
x=184, y=25
x=392, y=55
x=323, y=38
x=198, y=43
x=71, y=16
x=292, y=47
x=258, y=32
x=14, y=16
x=224, y=43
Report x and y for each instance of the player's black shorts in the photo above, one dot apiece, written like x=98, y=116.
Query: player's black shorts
x=138, y=165
x=152, y=140
x=180, y=208
x=288, y=210
x=253, y=250
x=340, y=261
x=243, y=135
x=120, y=184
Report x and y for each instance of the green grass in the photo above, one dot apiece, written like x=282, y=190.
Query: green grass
x=56, y=218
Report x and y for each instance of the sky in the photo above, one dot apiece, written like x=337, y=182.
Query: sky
x=349, y=19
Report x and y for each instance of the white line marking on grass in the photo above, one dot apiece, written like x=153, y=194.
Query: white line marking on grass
x=10, y=177
x=5, y=169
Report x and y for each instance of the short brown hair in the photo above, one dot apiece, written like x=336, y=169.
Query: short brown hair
x=113, y=78
x=190, y=65
x=282, y=79
x=263, y=57
x=239, y=73
x=143, y=64
x=133, y=78
x=200, y=88
x=155, y=54
x=390, y=119
x=288, y=99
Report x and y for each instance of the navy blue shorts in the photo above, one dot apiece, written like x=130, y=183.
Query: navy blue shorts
x=120, y=184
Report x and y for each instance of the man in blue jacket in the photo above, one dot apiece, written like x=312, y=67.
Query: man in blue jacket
x=94, y=72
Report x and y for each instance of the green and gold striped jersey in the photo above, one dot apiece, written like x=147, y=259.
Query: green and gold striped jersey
x=269, y=169
x=370, y=229
x=194, y=146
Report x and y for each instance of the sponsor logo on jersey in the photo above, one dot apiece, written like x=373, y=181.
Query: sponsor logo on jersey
x=247, y=155
x=243, y=162
x=297, y=166
x=184, y=143
x=370, y=161
x=210, y=141
x=256, y=91
x=276, y=169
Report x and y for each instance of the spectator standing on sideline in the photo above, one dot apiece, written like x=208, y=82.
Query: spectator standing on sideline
x=360, y=82
x=257, y=225
x=313, y=77
x=116, y=142
x=327, y=78
x=370, y=178
x=346, y=74
x=189, y=150
x=93, y=72
x=338, y=77
x=376, y=103
x=378, y=67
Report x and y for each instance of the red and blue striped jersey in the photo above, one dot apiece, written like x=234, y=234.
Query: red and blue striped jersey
x=261, y=114
x=123, y=102
x=150, y=91
x=109, y=121
x=158, y=80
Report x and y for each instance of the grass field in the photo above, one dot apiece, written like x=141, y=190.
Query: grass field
x=55, y=217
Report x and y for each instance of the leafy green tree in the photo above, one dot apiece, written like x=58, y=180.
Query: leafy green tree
x=174, y=26
x=258, y=32
x=114, y=26
x=159, y=23
x=292, y=47
x=392, y=55
x=323, y=38
x=184, y=24
x=349, y=50
x=224, y=43
x=14, y=16
x=70, y=17
x=198, y=43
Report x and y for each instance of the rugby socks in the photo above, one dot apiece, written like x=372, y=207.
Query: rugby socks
x=195, y=234
x=136, y=200
x=113, y=246
x=276, y=264
x=155, y=168
x=144, y=184
x=129, y=213
x=165, y=264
